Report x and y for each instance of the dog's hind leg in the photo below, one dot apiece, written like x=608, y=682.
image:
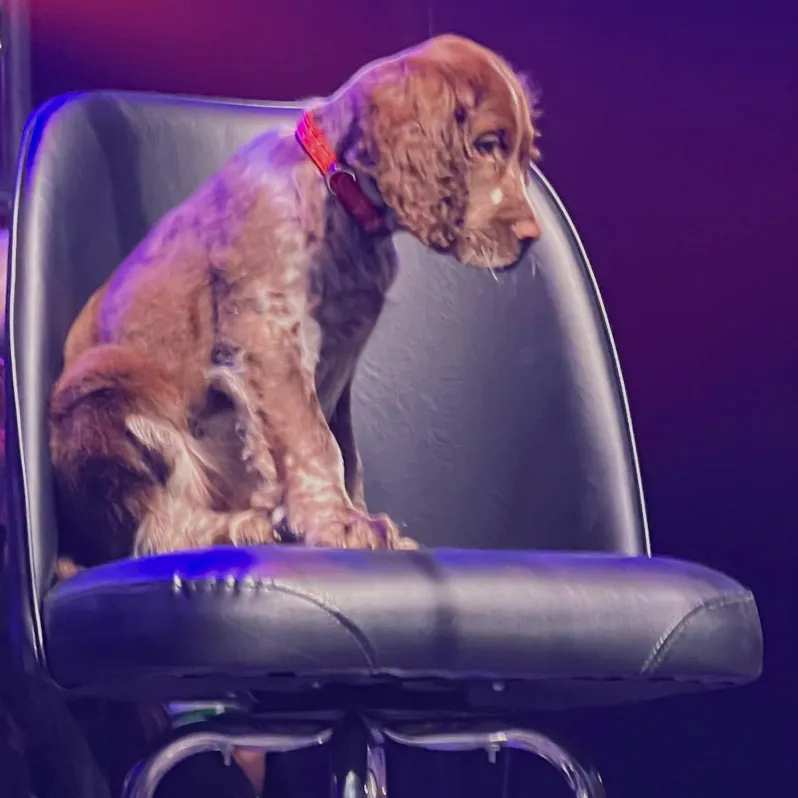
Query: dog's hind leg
x=121, y=453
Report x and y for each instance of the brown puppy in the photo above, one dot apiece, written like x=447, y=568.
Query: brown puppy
x=205, y=396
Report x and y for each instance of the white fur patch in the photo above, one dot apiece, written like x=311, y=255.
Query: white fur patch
x=190, y=465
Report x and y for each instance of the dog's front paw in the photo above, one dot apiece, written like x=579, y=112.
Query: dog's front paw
x=250, y=528
x=355, y=529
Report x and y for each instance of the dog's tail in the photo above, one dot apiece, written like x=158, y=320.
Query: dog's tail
x=121, y=451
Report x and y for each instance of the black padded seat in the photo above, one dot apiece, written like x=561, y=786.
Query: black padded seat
x=620, y=628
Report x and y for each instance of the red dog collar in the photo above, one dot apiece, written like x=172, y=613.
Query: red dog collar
x=341, y=182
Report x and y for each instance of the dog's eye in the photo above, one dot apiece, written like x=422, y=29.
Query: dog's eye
x=491, y=145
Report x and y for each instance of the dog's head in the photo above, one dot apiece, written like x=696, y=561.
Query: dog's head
x=446, y=131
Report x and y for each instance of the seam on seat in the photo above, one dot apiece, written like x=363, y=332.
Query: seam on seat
x=670, y=638
x=230, y=583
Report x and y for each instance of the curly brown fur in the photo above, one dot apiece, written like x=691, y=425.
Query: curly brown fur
x=206, y=384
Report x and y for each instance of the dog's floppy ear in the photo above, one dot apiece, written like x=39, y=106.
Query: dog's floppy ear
x=413, y=146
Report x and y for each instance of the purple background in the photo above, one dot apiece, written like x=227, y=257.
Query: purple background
x=671, y=131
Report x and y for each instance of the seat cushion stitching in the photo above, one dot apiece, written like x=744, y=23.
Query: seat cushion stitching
x=670, y=637
x=230, y=583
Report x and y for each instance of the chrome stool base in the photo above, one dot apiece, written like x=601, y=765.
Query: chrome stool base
x=583, y=779
x=145, y=777
x=358, y=754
